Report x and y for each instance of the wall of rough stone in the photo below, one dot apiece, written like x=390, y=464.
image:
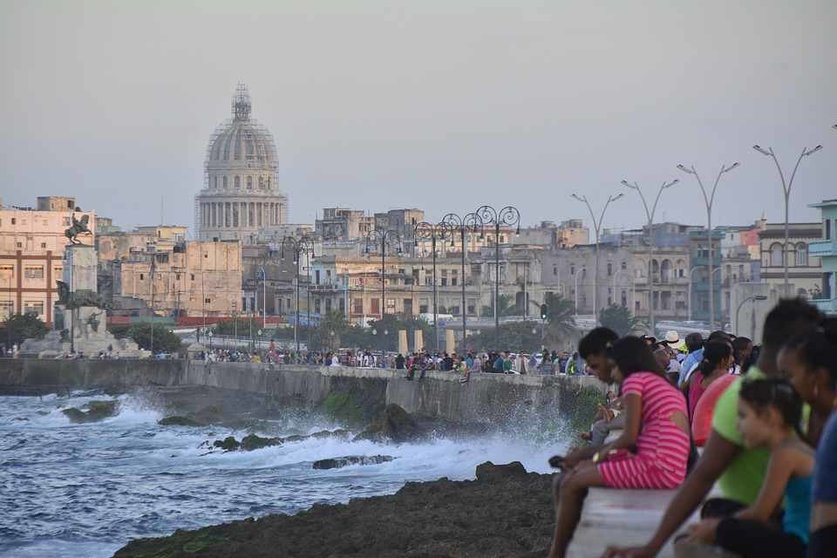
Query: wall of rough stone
x=487, y=398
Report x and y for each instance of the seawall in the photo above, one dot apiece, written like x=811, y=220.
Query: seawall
x=486, y=399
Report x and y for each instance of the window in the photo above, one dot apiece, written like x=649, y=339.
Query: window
x=828, y=229
x=19, y=244
x=7, y=308
x=207, y=300
x=317, y=276
x=802, y=254
x=43, y=244
x=609, y=270
x=376, y=306
x=33, y=307
x=249, y=182
x=357, y=306
x=554, y=270
x=33, y=272
x=14, y=220
x=142, y=276
x=624, y=265
x=776, y=259
x=193, y=276
x=237, y=182
x=225, y=182
x=572, y=269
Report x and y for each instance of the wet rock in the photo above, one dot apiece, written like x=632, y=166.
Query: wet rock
x=338, y=462
x=490, y=472
x=93, y=411
x=394, y=424
x=227, y=444
x=253, y=442
x=179, y=421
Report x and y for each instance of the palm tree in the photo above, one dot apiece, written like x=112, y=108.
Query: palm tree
x=505, y=305
x=560, y=317
x=619, y=319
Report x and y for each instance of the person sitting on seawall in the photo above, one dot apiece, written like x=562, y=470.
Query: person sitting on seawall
x=716, y=363
x=739, y=470
x=769, y=412
x=609, y=417
x=656, y=425
x=811, y=362
x=593, y=348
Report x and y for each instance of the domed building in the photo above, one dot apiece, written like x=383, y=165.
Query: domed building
x=241, y=193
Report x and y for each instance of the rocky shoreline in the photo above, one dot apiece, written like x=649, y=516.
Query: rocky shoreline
x=505, y=512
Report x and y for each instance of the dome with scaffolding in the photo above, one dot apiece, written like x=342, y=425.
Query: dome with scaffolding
x=241, y=195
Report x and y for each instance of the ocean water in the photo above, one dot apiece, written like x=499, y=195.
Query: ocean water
x=85, y=490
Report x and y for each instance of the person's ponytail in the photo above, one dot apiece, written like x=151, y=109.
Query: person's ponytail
x=714, y=352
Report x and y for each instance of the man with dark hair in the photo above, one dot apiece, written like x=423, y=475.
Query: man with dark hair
x=740, y=471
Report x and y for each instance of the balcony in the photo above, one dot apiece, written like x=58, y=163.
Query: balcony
x=823, y=248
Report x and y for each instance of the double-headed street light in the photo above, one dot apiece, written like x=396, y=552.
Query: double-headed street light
x=424, y=231
x=597, y=225
x=709, y=200
x=649, y=214
x=508, y=216
x=472, y=223
x=786, y=190
x=381, y=239
x=298, y=247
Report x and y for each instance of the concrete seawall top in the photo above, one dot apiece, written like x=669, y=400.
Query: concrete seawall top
x=485, y=398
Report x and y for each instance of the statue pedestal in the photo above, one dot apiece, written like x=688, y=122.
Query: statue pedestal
x=80, y=265
x=80, y=320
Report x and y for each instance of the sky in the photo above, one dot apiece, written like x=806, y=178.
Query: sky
x=443, y=105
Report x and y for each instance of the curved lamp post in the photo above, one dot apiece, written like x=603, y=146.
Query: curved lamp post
x=298, y=247
x=649, y=214
x=508, y=216
x=597, y=225
x=786, y=190
x=469, y=223
x=741, y=304
x=709, y=199
x=424, y=231
x=381, y=239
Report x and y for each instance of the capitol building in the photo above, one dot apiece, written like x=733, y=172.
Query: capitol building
x=241, y=194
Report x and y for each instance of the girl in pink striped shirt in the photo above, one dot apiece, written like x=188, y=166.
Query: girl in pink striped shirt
x=652, y=451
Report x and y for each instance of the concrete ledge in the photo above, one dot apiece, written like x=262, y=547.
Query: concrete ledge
x=614, y=517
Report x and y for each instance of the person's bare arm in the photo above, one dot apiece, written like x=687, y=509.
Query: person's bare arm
x=717, y=456
x=770, y=496
x=633, y=419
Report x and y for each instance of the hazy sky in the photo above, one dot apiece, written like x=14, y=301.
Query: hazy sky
x=378, y=105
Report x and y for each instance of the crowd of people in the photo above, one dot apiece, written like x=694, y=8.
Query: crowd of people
x=763, y=416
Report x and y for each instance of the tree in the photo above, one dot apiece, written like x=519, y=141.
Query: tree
x=164, y=338
x=505, y=304
x=330, y=332
x=619, y=319
x=20, y=327
x=515, y=336
x=560, y=319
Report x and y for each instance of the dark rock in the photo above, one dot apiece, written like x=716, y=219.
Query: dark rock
x=338, y=462
x=513, y=517
x=394, y=424
x=253, y=442
x=179, y=421
x=93, y=411
x=490, y=472
x=227, y=444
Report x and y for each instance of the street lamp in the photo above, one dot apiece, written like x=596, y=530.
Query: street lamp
x=428, y=231
x=649, y=213
x=383, y=238
x=786, y=190
x=737, y=310
x=709, y=199
x=508, y=216
x=297, y=246
x=469, y=223
x=597, y=225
